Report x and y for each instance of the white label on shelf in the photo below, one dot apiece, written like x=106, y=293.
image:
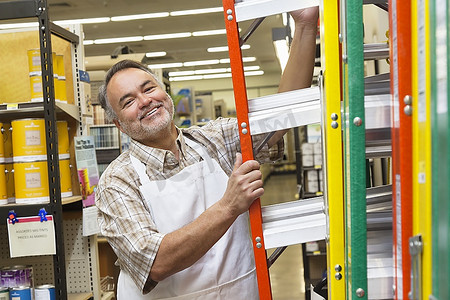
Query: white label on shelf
x=90, y=225
x=29, y=236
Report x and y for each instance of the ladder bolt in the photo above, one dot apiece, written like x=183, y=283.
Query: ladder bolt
x=258, y=245
x=244, y=125
x=334, y=116
x=407, y=99
x=338, y=268
x=344, y=59
x=334, y=125
x=230, y=18
x=408, y=110
x=258, y=239
x=229, y=12
x=338, y=276
x=360, y=292
x=244, y=131
x=357, y=121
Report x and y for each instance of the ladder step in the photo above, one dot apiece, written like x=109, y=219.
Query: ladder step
x=376, y=51
x=253, y=9
x=378, y=111
x=377, y=85
x=284, y=110
x=293, y=222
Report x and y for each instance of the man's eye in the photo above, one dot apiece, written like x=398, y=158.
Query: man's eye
x=128, y=102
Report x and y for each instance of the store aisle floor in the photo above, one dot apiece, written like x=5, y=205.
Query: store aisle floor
x=286, y=275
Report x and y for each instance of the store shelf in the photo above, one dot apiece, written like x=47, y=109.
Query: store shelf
x=80, y=296
x=12, y=111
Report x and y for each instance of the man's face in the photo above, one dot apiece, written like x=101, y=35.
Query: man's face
x=143, y=108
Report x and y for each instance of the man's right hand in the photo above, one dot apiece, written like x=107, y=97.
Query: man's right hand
x=244, y=186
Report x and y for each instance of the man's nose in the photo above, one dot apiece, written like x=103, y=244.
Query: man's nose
x=144, y=100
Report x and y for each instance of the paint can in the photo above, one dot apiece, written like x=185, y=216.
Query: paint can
x=7, y=142
x=31, y=182
x=63, y=140
x=10, y=189
x=4, y=293
x=34, y=61
x=20, y=293
x=61, y=82
x=15, y=276
x=29, y=140
x=3, y=186
x=65, y=178
x=44, y=292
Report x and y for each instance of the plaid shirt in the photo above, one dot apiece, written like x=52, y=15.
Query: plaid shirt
x=124, y=217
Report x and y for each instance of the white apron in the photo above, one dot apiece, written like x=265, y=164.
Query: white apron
x=227, y=270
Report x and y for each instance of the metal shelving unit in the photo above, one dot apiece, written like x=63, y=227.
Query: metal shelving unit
x=50, y=111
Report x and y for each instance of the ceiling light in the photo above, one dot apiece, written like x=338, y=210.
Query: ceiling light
x=244, y=59
x=201, y=62
x=185, y=78
x=282, y=52
x=167, y=36
x=165, y=66
x=209, y=32
x=155, y=54
x=225, y=48
x=211, y=71
x=181, y=73
x=83, y=21
x=140, y=17
x=119, y=40
x=196, y=11
x=88, y=42
x=254, y=73
x=18, y=25
x=211, y=76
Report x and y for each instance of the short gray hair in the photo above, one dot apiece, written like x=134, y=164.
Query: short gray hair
x=121, y=65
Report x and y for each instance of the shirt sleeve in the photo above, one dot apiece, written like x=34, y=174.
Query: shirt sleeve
x=127, y=225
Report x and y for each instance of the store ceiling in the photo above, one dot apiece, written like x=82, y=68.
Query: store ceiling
x=98, y=57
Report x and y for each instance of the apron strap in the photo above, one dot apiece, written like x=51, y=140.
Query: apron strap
x=140, y=169
x=200, y=149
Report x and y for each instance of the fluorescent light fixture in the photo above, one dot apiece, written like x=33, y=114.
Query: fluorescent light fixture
x=167, y=36
x=225, y=48
x=209, y=32
x=196, y=11
x=83, y=21
x=88, y=42
x=181, y=73
x=254, y=73
x=212, y=76
x=165, y=66
x=119, y=40
x=252, y=68
x=201, y=62
x=139, y=17
x=282, y=52
x=156, y=54
x=185, y=78
x=211, y=71
x=19, y=25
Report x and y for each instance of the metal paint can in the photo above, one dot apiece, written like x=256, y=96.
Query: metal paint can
x=3, y=186
x=7, y=142
x=10, y=190
x=66, y=178
x=31, y=182
x=44, y=292
x=20, y=293
x=29, y=140
x=4, y=293
x=63, y=139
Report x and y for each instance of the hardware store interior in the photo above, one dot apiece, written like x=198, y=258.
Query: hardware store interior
x=352, y=208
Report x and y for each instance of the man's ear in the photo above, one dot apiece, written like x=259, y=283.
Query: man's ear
x=116, y=122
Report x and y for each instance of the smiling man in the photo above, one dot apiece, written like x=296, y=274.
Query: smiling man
x=174, y=206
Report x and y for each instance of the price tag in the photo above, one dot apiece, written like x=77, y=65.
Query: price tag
x=12, y=106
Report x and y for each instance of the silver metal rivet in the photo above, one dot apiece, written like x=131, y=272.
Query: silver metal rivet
x=244, y=125
x=360, y=292
x=408, y=110
x=407, y=99
x=258, y=239
x=229, y=12
x=337, y=268
x=43, y=28
x=340, y=37
x=357, y=121
x=258, y=245
x=230, y=18
x=344, y=58
x=338, y=276
x=334, y=116
x=244, y=131
x=334, y=125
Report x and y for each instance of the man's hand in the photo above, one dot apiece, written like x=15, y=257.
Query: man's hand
x=307, y=16
x=244, y=186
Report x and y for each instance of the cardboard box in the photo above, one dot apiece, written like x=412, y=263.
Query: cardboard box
x=308, y=160
x=317, y=159
x=307, y=149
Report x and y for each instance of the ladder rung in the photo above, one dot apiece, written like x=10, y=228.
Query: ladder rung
x=252, y=9
x=378, y=151
x=378, y=111
x=376, y=51
x=293, y=222
x=378, y=84
x=284, y=110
